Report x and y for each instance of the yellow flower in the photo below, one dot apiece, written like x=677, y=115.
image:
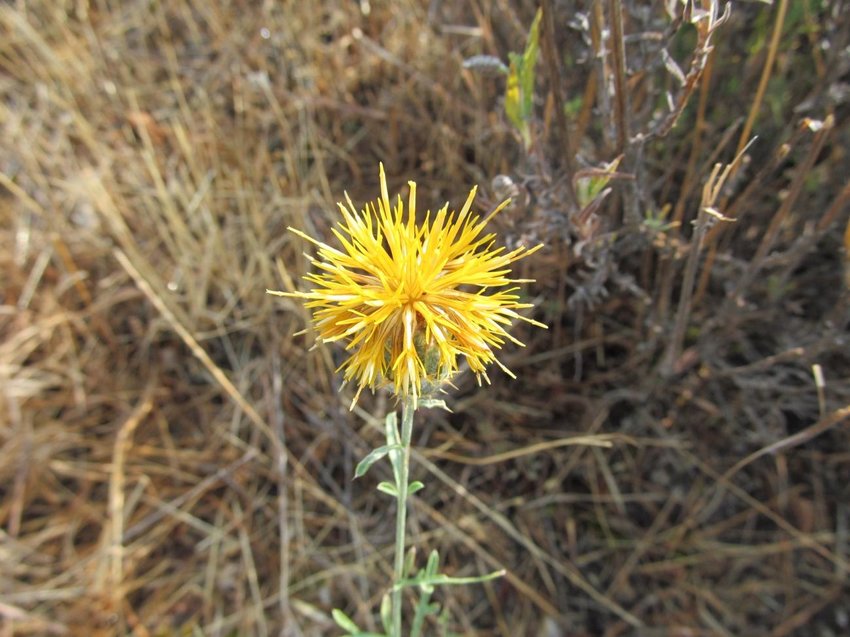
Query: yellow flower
x=410, y=299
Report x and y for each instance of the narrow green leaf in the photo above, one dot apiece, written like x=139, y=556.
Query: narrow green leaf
x=592, y=184
x=414, y=486
x=391, y=427
x=388, y=488
x=394, y=443
x=364, y=465
x=344, y=621
x=422, y=610
x=427, y=582
x=387, y=613
x=529, y=61
x=409, y=562
x=444, y=580
x=431, y=403
x=433, y=564
x=512, y=91
x=519, y=88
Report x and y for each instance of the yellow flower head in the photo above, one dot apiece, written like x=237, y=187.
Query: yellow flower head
x=410, y=299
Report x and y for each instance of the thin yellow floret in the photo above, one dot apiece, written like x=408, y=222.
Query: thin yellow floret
x=410, y=299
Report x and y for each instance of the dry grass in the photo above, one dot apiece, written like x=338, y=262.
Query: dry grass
x=174, y=462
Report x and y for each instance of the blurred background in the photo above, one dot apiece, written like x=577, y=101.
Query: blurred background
x=174, y=460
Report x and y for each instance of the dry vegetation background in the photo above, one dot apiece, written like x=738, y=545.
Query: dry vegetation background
x=173, y=461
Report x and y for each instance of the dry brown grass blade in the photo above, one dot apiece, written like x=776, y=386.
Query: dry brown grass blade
x=550, y=56
x=821, y=133
x=564, y=568
x=600, y=440
x=29, y=623
x=807, y=540
x=708, y=216
x=112, y=581
x=193, y=345
x=689, y=182
x=621, y=98
x=767, y=71
x=825, y=424
x=526, y=589
x=835, y=208
x=707, y=19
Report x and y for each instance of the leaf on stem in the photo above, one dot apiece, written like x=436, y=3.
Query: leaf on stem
x=440, y=579
x=387, y=613
x=391, y=428
x=430, y=403
x=376, y=454
x=519, y=92
x=409, y=562
x=388, y=488
x=344, y=621
x=394, y=442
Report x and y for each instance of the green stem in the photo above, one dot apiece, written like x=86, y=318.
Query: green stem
x=402, y=478
x=419, y=617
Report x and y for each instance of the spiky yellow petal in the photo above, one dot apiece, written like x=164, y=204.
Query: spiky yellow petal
x=410, y=299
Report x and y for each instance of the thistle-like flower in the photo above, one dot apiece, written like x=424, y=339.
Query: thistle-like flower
x=411, y=299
